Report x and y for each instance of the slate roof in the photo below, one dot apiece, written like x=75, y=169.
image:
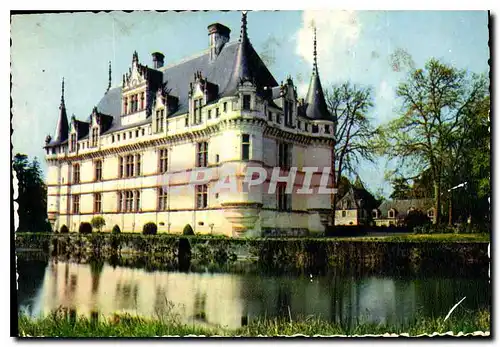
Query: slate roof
x=236, y=61
x=358, y=198
x=62, y=127
x=178, y=77
x=402, y=206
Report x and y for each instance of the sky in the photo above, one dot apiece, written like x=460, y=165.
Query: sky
x=355, y=46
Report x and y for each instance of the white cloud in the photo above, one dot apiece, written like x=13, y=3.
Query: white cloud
x=337, y=34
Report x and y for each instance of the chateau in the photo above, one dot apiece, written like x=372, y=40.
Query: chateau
x=221, y=110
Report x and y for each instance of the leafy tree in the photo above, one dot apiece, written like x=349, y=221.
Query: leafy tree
x=350, y=105
x=400, y=189
x=436, y=102
x=32, y=195
x=98, y=222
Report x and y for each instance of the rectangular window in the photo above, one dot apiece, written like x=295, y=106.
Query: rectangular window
x=202, y=154
x=137, y=165
x=278, y=118
x=225, y=107
x=95, y=134
x=162, y=199
x=186, y=121
x=129, y=165
x=217, y=113
x=112, y=138
x=120, y=167
x=97, y=203
x=283, y=198
x=201, y=196
x=129, y=200
x=315, y=129
x=76, y=204
x=245, y=147
x=98, y=170
x=143, y=132
x=209, y=114
x=124, y=136
x=76, y=173
x=299, y=125
x=197, y=111
x=284, y=155
x=159, y=120
x=73, y=143
x=163, y=160
x=120, y=201
x=137, y=133
x=246, y=102
x=327, y=128
x=118, y=137
x=270, y=116
x=137, y=200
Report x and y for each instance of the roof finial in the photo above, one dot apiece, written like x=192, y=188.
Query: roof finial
x=243, y=35
x=135, y=57
x=109, y=77
x=62, y=93
x=315, y=52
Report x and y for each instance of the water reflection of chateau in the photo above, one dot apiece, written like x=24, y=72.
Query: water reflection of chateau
x=229, y=299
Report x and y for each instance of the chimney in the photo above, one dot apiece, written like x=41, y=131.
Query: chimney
x=158, y=58
x=218, y=36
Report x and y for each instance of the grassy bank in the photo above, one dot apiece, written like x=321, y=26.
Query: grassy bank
x=128, y=326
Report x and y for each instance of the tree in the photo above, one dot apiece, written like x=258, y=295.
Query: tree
x=400, y=189
x=32, y=195
x=350, y=104
x=436, y=102
x=98, y=222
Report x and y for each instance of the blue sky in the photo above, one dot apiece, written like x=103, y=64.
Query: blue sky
x=352, y=45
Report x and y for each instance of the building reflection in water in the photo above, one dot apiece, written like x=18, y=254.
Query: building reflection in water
x=233, y=300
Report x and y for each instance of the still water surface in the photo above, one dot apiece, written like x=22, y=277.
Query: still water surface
x=231, y=300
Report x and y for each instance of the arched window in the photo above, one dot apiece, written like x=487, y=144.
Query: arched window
x=392, y=213
x=344, y=213
x=375, y=214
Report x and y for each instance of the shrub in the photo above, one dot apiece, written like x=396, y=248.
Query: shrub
x=150, y=229
x=98, y=222
x=416, y=218
x=64, y=229
x=116, y=230
x=85, y=228
x=188, y=230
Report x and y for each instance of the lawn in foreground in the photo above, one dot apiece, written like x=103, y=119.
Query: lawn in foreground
x=129, y=326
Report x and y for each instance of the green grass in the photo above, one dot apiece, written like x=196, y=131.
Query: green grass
x=128, y=326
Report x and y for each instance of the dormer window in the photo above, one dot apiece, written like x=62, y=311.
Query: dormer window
x=246, y=102
x=134, y=103
x=197, y=111
x=375, y=213
x=95, y=135
x=392, y=213
x=142, y=101
x=159, y=120
x=73, y=142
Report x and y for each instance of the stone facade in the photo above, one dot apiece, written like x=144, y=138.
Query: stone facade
x=115, y=164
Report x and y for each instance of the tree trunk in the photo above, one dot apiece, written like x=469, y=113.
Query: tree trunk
x=437, y=203
x=450, y=210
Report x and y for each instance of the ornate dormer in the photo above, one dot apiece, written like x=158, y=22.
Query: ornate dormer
x=138, y=91
x=164, y=105
x=201, y=92
x=78, y=130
